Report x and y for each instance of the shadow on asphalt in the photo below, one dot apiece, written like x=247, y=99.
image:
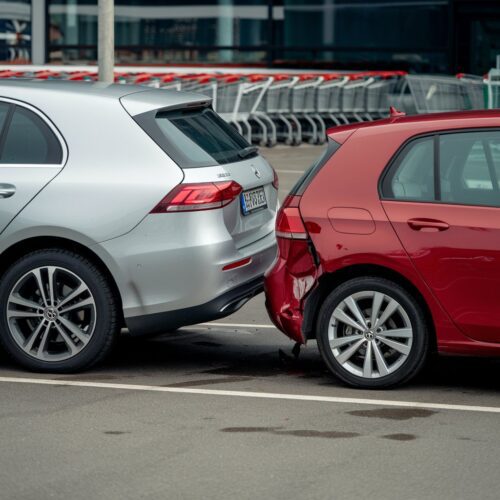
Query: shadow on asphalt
x=212, y=359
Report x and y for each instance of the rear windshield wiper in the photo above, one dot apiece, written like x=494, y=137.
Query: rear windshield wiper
x=248, y=151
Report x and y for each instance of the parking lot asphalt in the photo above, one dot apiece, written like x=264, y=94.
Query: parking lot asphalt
x=222, y=410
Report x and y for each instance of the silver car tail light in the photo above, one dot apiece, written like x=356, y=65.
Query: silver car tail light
x=198, y=196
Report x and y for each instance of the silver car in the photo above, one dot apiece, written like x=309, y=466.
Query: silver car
x=122, y=206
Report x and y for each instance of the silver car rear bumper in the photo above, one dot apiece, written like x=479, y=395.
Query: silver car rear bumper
x=169, y=270
x=221, y=306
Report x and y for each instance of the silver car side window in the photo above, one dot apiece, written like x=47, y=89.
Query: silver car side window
x=28, y=140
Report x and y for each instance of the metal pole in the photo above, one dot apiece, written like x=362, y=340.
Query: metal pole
x=38, y=32
x=106, y=40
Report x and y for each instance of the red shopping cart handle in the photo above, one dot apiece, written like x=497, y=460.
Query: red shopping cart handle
x=8, y=73
x=168, y=78
x=205, y=79
x=44, y=75
x=231, y=78
x=81, y=75
x=257, y=77
x=332, y=76
x=143, y=77
x=281, y=77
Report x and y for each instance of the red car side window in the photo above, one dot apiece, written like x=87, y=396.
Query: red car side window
x=412, y=175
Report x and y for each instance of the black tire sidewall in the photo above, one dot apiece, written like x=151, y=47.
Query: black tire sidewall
x=420, y=342
x=104, y=331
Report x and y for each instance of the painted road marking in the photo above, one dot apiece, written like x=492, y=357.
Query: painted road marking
x=237, y=325
x=249, y=394
x=290, y=171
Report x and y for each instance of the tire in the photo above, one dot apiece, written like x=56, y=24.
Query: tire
x=63, y=330
x=378, y=365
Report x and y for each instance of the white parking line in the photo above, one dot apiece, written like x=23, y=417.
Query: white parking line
x=239, y=325
x=289, y=171
x=248, y=394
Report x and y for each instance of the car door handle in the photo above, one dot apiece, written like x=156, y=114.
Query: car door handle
x=7, y=190
x=428, y=225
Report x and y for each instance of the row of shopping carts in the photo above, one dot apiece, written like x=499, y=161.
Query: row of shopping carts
x=296, y=108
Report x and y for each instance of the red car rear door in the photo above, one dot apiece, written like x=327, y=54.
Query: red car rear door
x=442, y=197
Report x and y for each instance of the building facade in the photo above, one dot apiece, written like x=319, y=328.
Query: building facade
x=433, y=36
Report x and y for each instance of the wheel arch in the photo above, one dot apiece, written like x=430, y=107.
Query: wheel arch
x=28, y=245
x=329, y=281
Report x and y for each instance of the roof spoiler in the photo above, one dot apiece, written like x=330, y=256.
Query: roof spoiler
x=150, y=100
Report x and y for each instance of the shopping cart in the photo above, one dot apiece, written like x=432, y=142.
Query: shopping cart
x=475, y=90
x=329, y=98
x=276, y=105
x=354, y=92
x=205, y=84
x=227, y=95
x=250, y=96
x=303, y=109
x=142, y=78
x=169, y=82
x=377, y=94
x=265, y=132
x=432, y=94
x=493, y=88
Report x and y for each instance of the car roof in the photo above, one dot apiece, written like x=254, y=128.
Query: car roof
x=423, y=122
x=114, y=91
x=144, y=98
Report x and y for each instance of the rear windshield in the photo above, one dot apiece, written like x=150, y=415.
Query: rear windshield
x=310, y=173
x=199, y=137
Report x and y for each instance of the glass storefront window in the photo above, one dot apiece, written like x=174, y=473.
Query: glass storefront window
x=323, y=33
x=404, y=32
x=402, y=24
x=15, y=31
x=164, y=31
x=434, y=36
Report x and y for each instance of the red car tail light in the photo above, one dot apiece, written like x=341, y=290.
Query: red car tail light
x=199, y=196
x=289, y=223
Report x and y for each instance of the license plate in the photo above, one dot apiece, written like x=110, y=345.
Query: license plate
x=252, y=200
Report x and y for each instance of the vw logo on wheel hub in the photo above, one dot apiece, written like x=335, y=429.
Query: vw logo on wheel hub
x=369, y=335
x=50, y=313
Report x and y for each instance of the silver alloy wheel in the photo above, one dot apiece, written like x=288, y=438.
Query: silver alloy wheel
x=370, y=334
x=51, y=313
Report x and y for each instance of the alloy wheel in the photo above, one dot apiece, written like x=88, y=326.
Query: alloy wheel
x=370, y=334
x=51, y=313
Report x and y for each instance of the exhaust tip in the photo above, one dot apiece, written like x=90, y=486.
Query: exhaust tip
x=235, y=305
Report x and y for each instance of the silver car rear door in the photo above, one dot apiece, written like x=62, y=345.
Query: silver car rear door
x=32, y=153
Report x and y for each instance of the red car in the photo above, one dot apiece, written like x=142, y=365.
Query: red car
x=389, y=246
